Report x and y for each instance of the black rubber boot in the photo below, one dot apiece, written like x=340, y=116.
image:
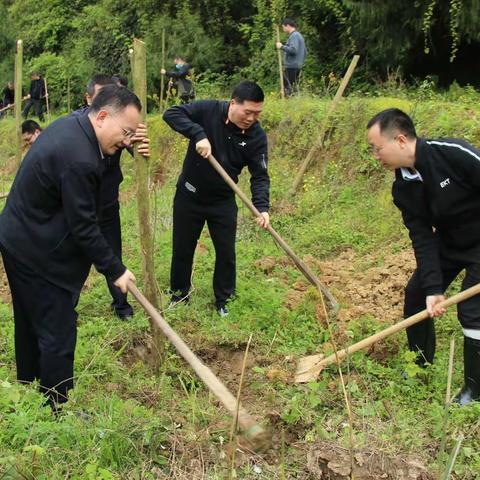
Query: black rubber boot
x=471, y=367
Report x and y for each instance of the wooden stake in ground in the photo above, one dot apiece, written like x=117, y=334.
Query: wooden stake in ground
x=321, y=137
x=309, y=367
x=280, y=67
x=141, y=165
x=310, y=276
x=253, y=432
x=162, y=77
x=68, y=96
x=47, y=102
x=18, y=102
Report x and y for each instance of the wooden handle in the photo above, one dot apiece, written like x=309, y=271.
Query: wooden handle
x=311, y=277
x=367, y=342
x=252, y=430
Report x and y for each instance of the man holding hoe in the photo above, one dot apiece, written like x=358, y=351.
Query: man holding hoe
x=437, y=189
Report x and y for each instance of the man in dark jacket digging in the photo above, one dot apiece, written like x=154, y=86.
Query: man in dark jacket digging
x=437, y=189
x=50, y=235
x=231, y=133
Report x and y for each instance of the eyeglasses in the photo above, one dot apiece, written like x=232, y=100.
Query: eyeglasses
x=127, y=133
x=374, y=150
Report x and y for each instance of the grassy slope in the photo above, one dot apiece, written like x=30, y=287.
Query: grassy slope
x=145, y=425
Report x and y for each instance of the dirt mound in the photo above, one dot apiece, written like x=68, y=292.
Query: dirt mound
x=329, y=461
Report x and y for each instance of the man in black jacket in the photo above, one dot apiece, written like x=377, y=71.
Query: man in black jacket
x=36, y=96
x=50, y=235
x=230, y=131
x=436, y=187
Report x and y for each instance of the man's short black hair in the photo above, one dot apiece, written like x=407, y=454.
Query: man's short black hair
x=30, y=126
x=120, y=81
x=116, y=98
x=393, y=120
x=248, y=91
x=98, y=79
x=289, y=21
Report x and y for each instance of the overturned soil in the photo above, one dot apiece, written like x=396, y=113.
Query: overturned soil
x=328, y=461
x=5, y=296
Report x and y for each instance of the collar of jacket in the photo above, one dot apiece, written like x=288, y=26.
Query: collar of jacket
x=87, y=127
x=420, y=153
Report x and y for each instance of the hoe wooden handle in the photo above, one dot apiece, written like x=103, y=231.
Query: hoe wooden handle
x=254, y=433
x=310, y=276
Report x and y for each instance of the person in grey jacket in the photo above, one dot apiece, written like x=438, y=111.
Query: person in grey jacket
x=295, y=54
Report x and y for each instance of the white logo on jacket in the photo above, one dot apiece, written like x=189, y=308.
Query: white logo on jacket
x=445, y=182
x=242, y=144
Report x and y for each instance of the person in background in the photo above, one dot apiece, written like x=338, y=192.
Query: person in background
x=36, y=96
x=295, y=54
x=180, y=80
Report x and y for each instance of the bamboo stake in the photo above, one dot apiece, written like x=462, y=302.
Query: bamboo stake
x=146, y=238
x=450, y=371
x=280, y=67
x=162, y=77
x=309, y=367
x=18, y=101
x=319, y=142
x=47, y=100
x=311, y=277
x=254, y=433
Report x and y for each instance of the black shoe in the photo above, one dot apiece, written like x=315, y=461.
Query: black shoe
x=123, y=313
x=223, y=311
x=471, y=368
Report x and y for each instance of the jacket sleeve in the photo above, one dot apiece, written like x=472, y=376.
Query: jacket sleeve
x=259, y=179
x=182, y=73
x=409, y=198
x=185, y=119
x=78, y=185
x=292, y=45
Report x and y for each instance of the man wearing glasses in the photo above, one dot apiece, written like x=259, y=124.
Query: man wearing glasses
x=50, y=234
x=112, y=178
x=437, y=189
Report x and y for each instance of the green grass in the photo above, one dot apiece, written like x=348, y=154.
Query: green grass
x=144, y=424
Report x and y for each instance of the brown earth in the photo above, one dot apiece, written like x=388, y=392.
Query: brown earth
x=5, y=296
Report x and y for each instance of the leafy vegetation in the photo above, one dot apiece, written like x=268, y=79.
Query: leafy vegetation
x=226, y=40
x=125, y=420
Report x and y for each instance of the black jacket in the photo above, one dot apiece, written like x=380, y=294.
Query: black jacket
x=37, y=89
x=181, y=72
x=50, y=220
x=232, y=147
x=112, y=176
x=446, y=196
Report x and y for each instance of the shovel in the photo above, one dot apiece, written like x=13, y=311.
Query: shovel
x=308, y=368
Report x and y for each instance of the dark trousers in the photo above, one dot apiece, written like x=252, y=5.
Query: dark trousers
x=421, y=336
x=111, y=229
x=290, y=80
x=189, y=217
x=37, y=106
x=45, y=330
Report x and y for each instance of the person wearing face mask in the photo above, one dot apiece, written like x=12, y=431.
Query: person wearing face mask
x=436, y=188
x=111, y=179
x=231, y=133
x=50, y=235
x=180, y=81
